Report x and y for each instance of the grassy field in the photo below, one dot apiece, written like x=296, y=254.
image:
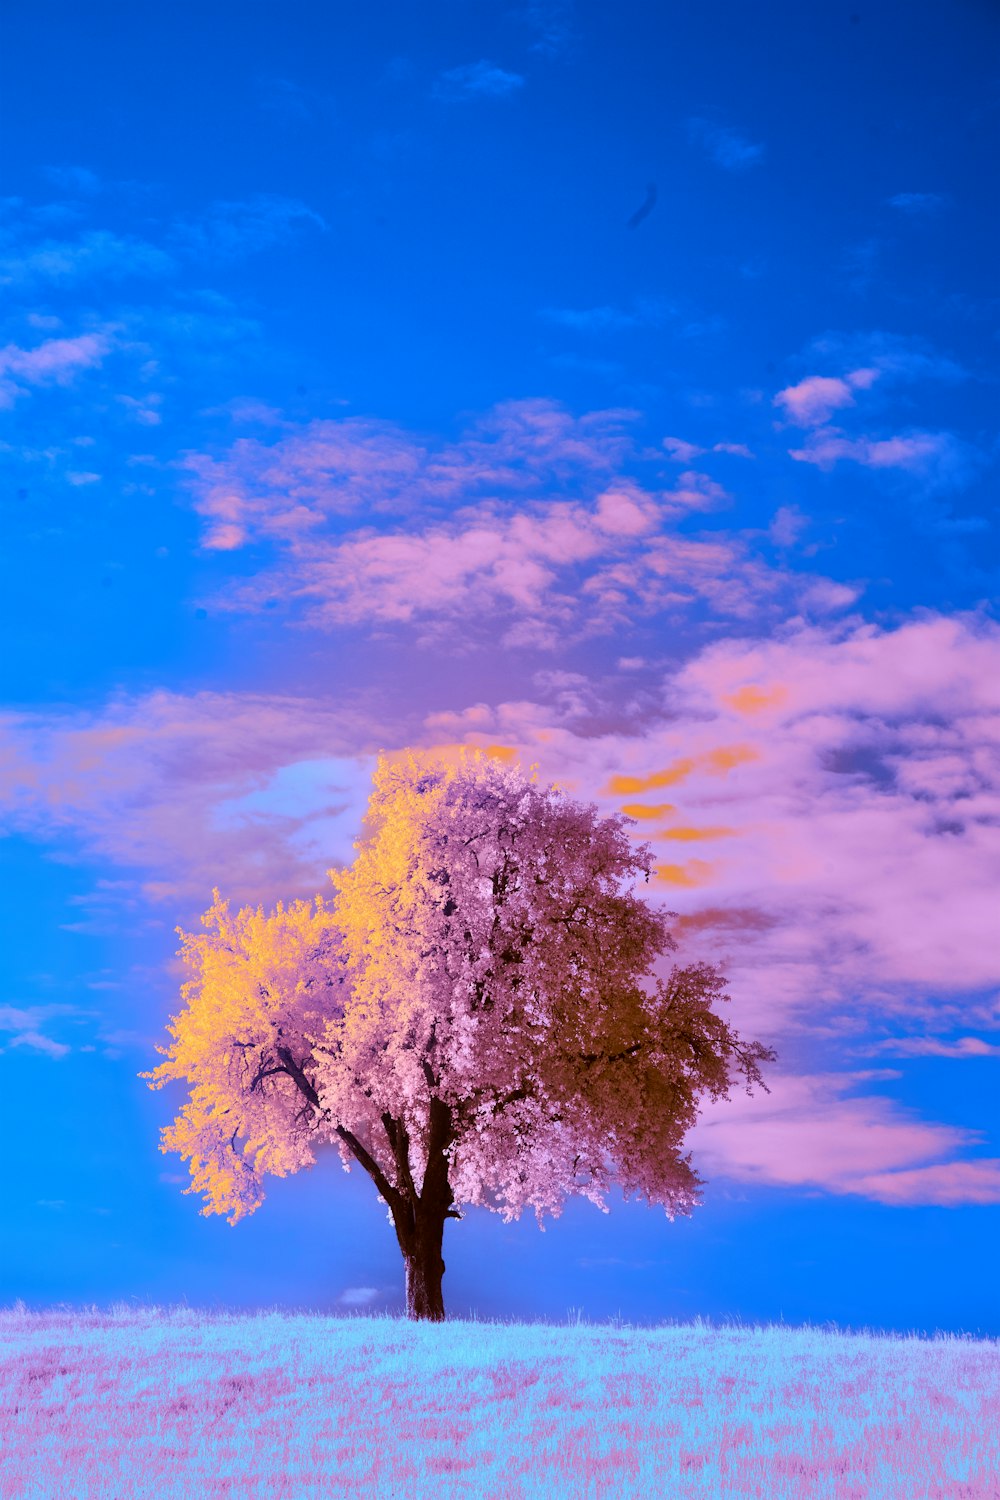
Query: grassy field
x=129, y=1404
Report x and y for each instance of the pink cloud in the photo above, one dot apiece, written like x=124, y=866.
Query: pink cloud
x=916, y=452
x=738, y=450
x=814, y=399
x=806, y=1134
x=541, y=573
x=695, y=491
x=861, y=796
x=684, y=453
x=54, y=362
x=931, y=1046
x=524, y=528
x=946, y=1184
x=285, y=490
x=257, y=793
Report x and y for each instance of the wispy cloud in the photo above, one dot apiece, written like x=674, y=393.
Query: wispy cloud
x=238, y=227
x=728, y=148
x=260, y=793
x=918, y=203
x=933, y=1046
x=95, y=254
x=487, y=538
x=357, y=465
x=552, y=24
x=22, y=1026
x=74, y=179
x=644, y=312
x=809, y=1133
x=938, y=457
x=895, y=358
x=38, y=1042
x=684, y=453
x=54, y=362
x=478, y=80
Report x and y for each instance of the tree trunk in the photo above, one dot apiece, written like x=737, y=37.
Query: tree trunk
x=419, y=1217
x=425, y=1268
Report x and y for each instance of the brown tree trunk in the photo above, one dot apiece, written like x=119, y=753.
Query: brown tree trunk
x=419, y=1218
x=425, y=1267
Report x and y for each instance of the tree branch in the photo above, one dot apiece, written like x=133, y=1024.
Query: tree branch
x=297, y=1074
x=399, y=1141
x=593, y=1057
x=371, y=1166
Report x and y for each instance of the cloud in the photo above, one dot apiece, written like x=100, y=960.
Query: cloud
x=695, y=491
x=846, y=781
x=552, y=23
x=940, y=457
x=54, y=362
x=234, y=228
x=807, y=1134
x=918, y=203
x=645, y=312
x=592, y=319
x=894, y=357
x=358, y=1296
x=25, y=1022
x=813, y=400
x=685, y=453
x=74, y=179
x=727, y=148
x=356, y=466
x=39, y=1043
x=932, y=1046
x=479, y=532
x=552, y=569
x=257, y=793
x=96, y=254
x=478, y=80
x=946, y=1184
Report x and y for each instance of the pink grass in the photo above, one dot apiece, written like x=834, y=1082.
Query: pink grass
x=145, y=1403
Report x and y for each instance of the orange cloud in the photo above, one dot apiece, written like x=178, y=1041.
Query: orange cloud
x=694, y=873
x=643, y=810
x=727, y=757
x=689, y=835
x=717, y=762
x=672, y=774
x=752, y=699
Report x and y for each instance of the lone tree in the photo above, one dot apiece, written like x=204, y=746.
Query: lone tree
x=473, y=1018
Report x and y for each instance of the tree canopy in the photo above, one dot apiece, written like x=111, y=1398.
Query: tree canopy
x=474, y=1017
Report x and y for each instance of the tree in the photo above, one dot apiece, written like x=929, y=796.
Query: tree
x=474, y=1018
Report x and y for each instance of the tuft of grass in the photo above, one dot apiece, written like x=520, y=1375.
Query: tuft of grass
x=140, y=1402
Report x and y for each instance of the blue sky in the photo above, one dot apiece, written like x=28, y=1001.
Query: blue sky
x=617, y=384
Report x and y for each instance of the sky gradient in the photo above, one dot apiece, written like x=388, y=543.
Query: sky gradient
x=613, y=385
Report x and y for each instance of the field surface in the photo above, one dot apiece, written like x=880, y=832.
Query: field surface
x=146, y=1403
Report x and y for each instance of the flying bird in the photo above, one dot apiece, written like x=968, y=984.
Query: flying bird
x=644, y=209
